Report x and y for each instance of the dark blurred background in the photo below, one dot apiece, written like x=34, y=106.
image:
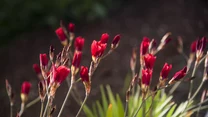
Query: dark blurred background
x=27, y=29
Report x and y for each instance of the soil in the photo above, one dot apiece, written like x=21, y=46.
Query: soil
x=151, y=18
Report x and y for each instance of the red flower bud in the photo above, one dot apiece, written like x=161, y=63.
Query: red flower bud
x=26, y=87
x=79, y=43
x=60, y=74
x=77, y=59
x=149, y=61
x=104, y=38
x=178, y=75
x=193, y=46
x=201, y=44
x=144, y=46
x=84, y=74
x=97, y=49
x=146, y=76
x=165, y=71
x=60, y=34
x=43, y=60
x=115, y=41
x=36, y=68
x=71, y=27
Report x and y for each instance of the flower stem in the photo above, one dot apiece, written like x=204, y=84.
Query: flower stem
x=143, y=108
x=22, y=109
x=174, y=87
x=46, y=107
x=41, y=109
x=82, y=105
x=11, y=110
x=191, y=83
x=197, y=91
x=67, y=95
x=32, y=102
x=153, y=93
x=126, y=109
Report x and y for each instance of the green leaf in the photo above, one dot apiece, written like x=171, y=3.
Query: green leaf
x=104, y=99
x=94, y=109
x=165, y=110
x=109, y=111
x=87, y=111
x=163, y=104
x=112, y=101
x=180, y=108
x=120, y=106
x=170, y=112
x=100, y=110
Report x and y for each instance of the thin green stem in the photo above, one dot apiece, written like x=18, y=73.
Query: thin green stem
x=32, y=102
x=197, y=114
x=143, y=108
x=41, y=109
x=22, y=109
x=191, y=83
x=11, y=110
x=83, y=103
x=109, y=52
x=153, y=93
x=65, y=100
x=197, y=105
x=46, y=107
x=126, y=109
x=174, y=87
x=197, y=91
x=196, y=109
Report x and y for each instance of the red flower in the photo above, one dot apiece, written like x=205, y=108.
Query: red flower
x=167, y=40
x=26, y=88
x=43, y=59
x=97, y=49
x=144, y=46
x=165, y=71
x=77, y=59
x=79, y=43
x=201, y=44
x=60, y=74
x=146, y=76
x=60, y=34
x=149, y=61
x=115, y=41
x=84, y=74
x=71, y=27
x=104, y=38
x=36, y=68
x=193, y=46
x=178, y=75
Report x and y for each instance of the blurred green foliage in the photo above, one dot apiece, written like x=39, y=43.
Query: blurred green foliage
x=18, y=16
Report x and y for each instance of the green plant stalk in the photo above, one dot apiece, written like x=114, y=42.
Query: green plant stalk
x=83, y=103
x=144, y=108
x=197, y=91
x=196, y=109
x=140, y=107
x=126, y=109
x=174, y=88
x=197, y=105
x=147, y=98
x=197, y=115
x=22, y=109
x=41, y=109
x=191, y=83
x=11, y=110
x=46, y=107
x=66, y=98
x=32, y=102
